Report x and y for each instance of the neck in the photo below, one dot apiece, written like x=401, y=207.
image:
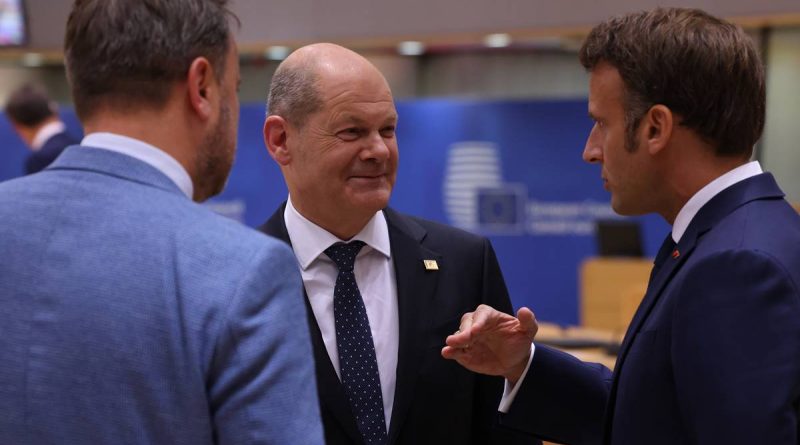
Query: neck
x=692, y=177
x=333, y=222
x=160, y=129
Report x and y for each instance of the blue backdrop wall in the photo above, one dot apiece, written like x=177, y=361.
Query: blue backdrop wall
x=511, y=170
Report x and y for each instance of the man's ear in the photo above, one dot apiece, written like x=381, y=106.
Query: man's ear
x=275, y=135
x=657, y=125
x=202, y=86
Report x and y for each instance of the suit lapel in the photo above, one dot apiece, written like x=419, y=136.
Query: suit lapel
x=331, y=394
x=416, y=288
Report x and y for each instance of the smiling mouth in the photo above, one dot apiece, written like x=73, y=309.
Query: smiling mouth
x=378, y=176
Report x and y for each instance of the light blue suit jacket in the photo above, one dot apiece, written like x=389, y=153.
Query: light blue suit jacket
x=131, y=315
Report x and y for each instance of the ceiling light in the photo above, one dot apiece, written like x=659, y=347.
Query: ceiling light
x=32, y=60
x=277, y=52
x=499, y=40
x=411, y=48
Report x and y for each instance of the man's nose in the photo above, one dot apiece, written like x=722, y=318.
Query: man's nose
x=593, y=151
x=377, y=148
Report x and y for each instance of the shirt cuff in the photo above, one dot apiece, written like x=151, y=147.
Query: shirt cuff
x=510, y=393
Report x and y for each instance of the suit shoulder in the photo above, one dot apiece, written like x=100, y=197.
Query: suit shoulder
x=208, y=224
x=766, y=225
x=435, y=230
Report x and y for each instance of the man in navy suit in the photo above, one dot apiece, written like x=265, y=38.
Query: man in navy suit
x=34, y=117
x=712, y=355
x=130, y=314
x=331, y=129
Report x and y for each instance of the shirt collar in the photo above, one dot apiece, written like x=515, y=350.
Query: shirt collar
x=146, y=153
x=45, y=133
x=712, y=189
x=309, y=240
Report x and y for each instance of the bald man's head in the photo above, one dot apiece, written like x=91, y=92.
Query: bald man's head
x=299, y=84
x=331, y=129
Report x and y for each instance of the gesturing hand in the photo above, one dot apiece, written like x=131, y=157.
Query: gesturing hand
x=492, y=342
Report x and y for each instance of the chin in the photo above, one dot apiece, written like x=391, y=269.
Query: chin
x=373, y=201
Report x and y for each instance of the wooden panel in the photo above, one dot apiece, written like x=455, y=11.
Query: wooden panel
x=611, y=290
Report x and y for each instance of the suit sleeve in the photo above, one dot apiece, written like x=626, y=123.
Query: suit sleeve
x=562, y=399
x=736, y=350
x=262, y=386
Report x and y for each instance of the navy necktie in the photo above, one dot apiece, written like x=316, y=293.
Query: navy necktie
x=357, y=362
x=666, y=250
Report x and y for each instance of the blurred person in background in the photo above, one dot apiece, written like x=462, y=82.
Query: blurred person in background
x=34, y=117
x=712, y=355
x=129, y=313
x=382, y=287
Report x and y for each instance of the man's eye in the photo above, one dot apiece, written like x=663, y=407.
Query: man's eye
x=350, y=134
x=387, y=132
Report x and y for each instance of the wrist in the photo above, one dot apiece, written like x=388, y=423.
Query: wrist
x=515, y=373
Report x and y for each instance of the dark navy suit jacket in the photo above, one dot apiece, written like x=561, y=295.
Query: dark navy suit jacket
x=436, y=400
x=40, y=159
x=712, y=355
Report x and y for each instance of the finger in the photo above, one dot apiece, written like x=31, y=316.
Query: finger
x=463, y=336
x=450, y=352
x=457, y=354
x=527, y=322
x=466, y=322
x=459, y=339
x=482, y=317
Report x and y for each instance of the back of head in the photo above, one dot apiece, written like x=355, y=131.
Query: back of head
x=29, y=106
x=128, y=53
x=704, y=69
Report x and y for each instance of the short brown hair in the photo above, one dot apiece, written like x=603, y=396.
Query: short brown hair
x=126, y=53
x=29, y=106
x=704, y=69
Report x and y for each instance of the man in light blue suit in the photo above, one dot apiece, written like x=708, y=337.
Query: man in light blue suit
x=128, y=313
x=712, y=355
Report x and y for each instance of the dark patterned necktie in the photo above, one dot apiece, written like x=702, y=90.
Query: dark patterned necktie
x=357, y=362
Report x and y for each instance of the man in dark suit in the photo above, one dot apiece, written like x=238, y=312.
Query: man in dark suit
x=377, y=321
x=35, y=119
x=712, y=354
x=130, y=314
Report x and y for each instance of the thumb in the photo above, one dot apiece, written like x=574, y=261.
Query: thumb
x=527, y=322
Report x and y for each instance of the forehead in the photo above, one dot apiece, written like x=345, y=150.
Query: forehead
x=606, y=88
x=356, y=95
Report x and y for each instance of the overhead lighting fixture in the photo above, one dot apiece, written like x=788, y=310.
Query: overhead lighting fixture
x=277, y=52
x=411, y=48
x=32, y=60
x=498, y=40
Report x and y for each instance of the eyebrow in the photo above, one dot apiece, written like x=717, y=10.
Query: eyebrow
x=352, y=119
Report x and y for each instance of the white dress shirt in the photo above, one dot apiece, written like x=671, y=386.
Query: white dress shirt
x=146, y=153
x=712, y=189
x=45, y=133
x=374, y=271
x=682, y=221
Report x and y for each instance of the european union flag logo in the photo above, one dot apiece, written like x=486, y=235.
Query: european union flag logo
x=501, y=209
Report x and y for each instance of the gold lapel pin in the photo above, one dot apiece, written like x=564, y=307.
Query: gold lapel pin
x=431, y=264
